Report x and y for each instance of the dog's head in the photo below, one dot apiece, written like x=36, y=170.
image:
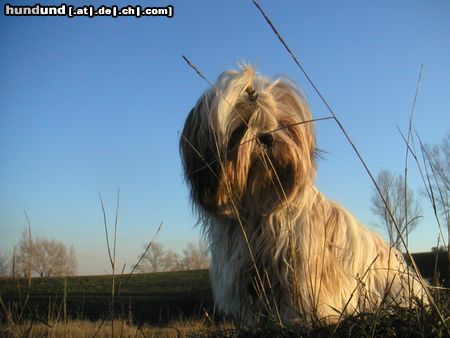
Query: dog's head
x=247, y=146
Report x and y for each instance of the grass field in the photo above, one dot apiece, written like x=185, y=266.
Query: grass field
x=173, y=304
x=152, y=298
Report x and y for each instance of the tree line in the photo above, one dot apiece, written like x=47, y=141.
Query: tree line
x=49, y=258
x=156, y=258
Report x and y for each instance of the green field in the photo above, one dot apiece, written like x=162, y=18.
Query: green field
x=156, y=298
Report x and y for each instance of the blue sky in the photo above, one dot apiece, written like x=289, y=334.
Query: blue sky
x=90, y=105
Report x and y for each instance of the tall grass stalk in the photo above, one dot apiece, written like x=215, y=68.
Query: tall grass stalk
x=115, y=290
x=112, y=257
x=142, y=256
x=408, y=140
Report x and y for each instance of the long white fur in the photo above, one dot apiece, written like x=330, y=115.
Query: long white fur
x=279, y=247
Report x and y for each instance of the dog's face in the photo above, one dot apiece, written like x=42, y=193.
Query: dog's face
x=247, y=146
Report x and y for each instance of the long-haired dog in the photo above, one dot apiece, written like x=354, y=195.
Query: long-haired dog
x=279, y=248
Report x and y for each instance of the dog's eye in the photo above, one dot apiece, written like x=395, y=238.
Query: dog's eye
x=236, y=136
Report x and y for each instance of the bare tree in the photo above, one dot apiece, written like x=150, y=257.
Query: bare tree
x=4, y=264
x=196, y=256
x=52, y=258
x=44, y=257
x=405, y=216
x=172, y=261
x=439, y=192
x=153, y=260
x=23, y=255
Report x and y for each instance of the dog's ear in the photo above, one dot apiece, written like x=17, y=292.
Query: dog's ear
x=200, y=160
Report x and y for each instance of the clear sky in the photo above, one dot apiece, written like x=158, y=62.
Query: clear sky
x=93, y=104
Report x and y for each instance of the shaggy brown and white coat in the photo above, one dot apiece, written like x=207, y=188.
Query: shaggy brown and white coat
x=279, y=247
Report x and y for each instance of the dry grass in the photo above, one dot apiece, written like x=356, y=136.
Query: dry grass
x=81, y=329
x=395, y=322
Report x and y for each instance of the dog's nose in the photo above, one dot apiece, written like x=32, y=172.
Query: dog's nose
x=266, y=139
